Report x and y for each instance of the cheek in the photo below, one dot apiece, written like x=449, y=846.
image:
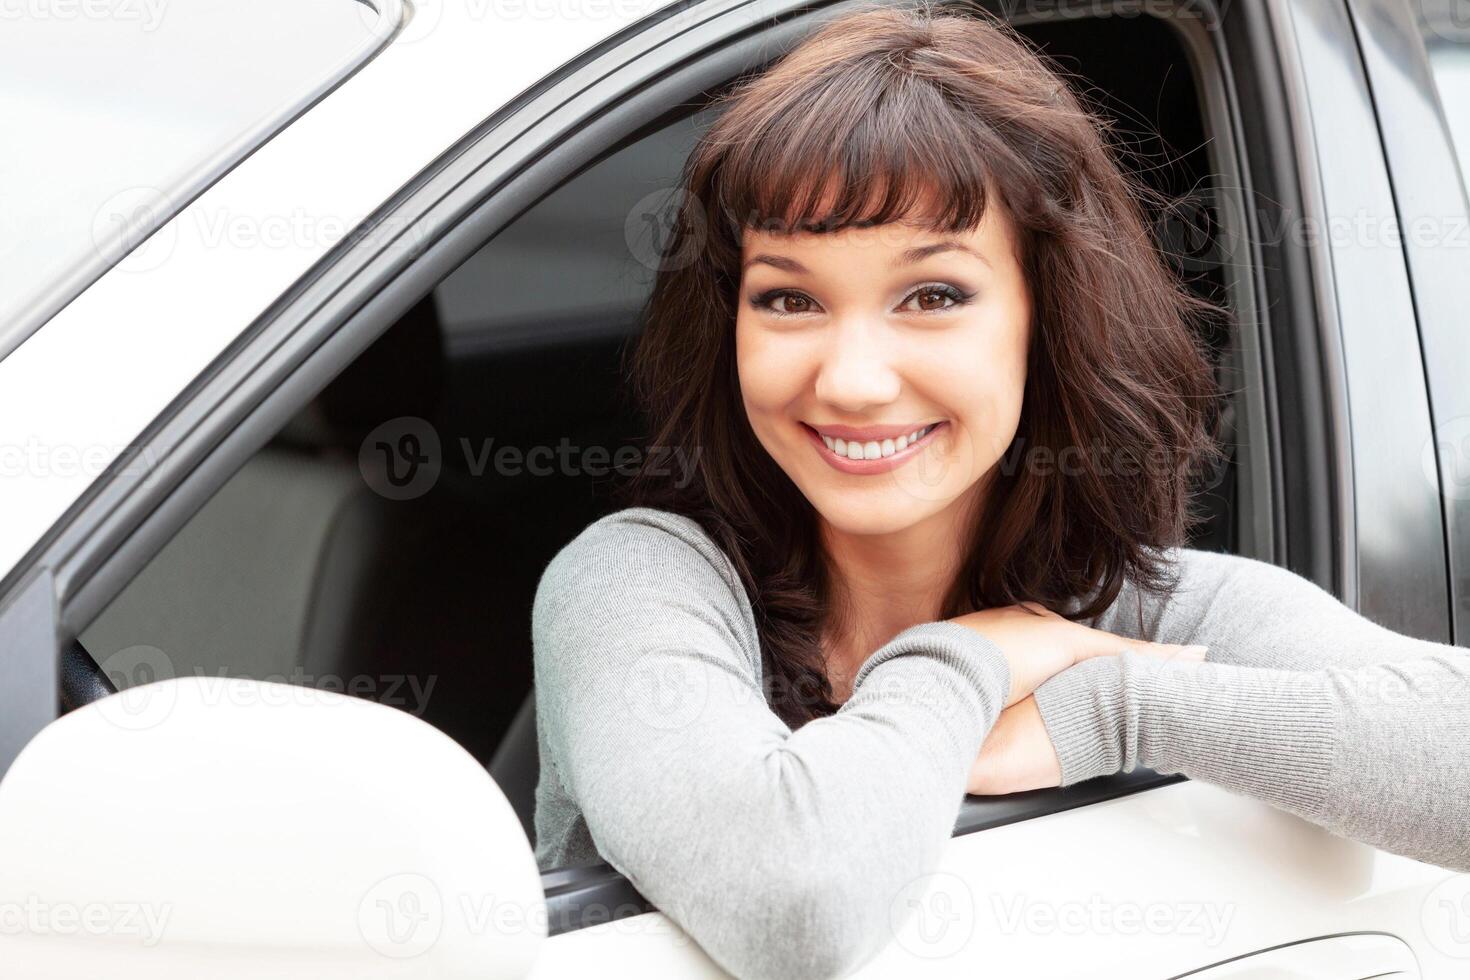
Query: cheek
x=1003, y=377
x=748, y=371
x=985, y=381
x=1006, y=390
x=769, y=370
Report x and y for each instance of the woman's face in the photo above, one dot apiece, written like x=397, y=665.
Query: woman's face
x=848, y=343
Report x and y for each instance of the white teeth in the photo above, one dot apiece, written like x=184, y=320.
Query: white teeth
x=875, y=449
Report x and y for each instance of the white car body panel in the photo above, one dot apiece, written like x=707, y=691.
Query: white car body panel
x=1142, y=887
x=134, y=339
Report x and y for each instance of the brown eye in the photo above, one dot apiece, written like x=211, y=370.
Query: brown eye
x=936, y=298
x=931, y=299
x=784, y=302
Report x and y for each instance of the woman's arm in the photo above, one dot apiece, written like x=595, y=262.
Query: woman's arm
x=781, y=853
x=1302, y=703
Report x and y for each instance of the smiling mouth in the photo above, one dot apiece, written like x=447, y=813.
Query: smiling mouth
x=873, y=455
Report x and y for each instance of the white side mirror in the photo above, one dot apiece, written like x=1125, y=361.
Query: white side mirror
x=210, y=829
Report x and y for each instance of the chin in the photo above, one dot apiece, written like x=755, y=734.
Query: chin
x=871, y=513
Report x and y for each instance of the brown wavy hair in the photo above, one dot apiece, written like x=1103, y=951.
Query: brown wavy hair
x=901, y=106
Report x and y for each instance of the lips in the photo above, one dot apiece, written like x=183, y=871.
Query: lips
x=870, y=459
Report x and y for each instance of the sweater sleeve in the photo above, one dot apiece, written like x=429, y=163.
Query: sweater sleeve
x=781, y=853
x=1301, y=703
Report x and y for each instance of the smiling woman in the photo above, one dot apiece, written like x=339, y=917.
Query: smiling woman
x=927, y=339
x=913, y=222
x=912, y=259
x=888, y=310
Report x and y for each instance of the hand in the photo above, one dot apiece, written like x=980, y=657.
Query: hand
x=1017, y=754
x=1039, y=643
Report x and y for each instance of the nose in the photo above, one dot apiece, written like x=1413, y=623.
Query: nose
x=857, y=370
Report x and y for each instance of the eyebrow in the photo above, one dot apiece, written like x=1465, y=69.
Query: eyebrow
x=908, y=257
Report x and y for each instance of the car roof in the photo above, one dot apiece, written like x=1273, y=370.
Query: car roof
x=143, y=109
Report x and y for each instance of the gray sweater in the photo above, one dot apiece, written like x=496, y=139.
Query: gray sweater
x=779, y=851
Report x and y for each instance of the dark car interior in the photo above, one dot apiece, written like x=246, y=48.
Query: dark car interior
x=299, y=569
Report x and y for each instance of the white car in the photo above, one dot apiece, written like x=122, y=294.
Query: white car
x=309, y=343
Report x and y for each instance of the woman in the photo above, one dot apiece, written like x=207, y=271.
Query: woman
x=908, y=263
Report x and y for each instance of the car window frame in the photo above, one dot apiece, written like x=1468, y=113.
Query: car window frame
x=1388, y=530
x=1427, y=180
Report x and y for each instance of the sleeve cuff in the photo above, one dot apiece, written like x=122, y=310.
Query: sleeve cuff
x=1081, y=709
x=959, y=673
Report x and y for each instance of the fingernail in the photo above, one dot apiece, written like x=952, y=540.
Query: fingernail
x=1197, y=650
